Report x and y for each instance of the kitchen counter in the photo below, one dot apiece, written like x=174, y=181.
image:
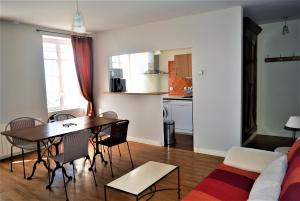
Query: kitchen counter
x=177, y=98
x=137, y=93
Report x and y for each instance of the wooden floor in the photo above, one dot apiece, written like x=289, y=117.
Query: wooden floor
x=269, y=143
x=193, y=168
x=183, y=141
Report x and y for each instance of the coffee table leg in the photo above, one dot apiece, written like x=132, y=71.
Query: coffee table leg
x=178, y=184
x=105, y=193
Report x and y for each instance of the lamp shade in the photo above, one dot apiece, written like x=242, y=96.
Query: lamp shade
x=78, y=23
x=293, y=122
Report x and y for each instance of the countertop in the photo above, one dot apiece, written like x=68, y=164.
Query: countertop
x=137, y=93
x=167, y=97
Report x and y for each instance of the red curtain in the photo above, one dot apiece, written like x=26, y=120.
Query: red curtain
x=83, y=56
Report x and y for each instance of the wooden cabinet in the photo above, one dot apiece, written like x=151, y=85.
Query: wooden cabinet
x=183, y=65
x=251, y=30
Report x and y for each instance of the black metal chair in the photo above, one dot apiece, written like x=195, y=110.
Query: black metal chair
x=20, y=123
x=105, y=130
x=58, y=117
x=118, y=135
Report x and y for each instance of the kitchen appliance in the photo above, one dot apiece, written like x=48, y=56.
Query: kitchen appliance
x=117, y=84
x=153, y=66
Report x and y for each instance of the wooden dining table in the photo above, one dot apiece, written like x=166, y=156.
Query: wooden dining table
x=42, y=133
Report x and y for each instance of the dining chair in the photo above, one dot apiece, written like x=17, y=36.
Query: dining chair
x=75, y=146
x=58, y=117
x=105, y=130
x=118, y=135
x=20, y=123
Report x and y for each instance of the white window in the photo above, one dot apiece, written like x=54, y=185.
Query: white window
x=62, y=85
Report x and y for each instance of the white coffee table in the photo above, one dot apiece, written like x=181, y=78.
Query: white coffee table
x=137, y=181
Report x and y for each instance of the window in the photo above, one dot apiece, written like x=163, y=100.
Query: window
x=62, y=85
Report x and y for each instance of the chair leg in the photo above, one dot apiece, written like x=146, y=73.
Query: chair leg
x=65, y=186
x=57, y=148
x=48, y=161
x=88, y=157
x=110, y=160
x=23, y=164
x=11, y=158
x=119, y=150
x=130, y=155
x=73, y=170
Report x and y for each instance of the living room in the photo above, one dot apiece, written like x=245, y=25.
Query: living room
x=217, y=86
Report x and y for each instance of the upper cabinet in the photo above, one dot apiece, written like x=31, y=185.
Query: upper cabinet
x=183, y=65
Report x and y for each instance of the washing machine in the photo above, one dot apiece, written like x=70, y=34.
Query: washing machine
x=167, y=110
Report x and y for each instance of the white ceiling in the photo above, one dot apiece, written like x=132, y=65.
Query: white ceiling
x=105, y=15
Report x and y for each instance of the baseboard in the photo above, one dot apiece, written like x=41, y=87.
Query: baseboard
x=16, y=153
x=210, y=152
x=144, y=141
x=177, y=130
x=275, y=134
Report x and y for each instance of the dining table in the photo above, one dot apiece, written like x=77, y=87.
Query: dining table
x=45, y=132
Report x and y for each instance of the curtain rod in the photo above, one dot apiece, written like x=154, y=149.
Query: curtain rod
x=54, y=32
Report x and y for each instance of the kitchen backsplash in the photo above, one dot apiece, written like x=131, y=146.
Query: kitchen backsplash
x=177, y=83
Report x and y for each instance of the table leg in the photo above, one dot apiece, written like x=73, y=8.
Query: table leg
x=97, y=151
x=178, y=183
x=105, y=193
x=39, y=160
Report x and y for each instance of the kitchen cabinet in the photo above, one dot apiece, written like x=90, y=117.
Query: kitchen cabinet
x=182, y=114
x=183, y=65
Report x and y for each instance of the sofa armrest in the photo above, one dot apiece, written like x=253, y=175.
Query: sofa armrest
x=254, y=160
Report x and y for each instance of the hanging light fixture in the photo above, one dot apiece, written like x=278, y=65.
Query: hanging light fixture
x=285, y=29
x=78, y=21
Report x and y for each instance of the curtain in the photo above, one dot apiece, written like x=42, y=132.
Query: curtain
x=83, y=57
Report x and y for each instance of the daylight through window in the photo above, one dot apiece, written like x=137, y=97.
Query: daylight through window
x=62, y=86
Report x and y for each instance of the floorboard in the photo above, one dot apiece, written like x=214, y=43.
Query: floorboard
x=183, y=141
x=193, y=168
x=270, y=143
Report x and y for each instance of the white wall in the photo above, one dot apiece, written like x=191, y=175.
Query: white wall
x=278, y=82
x=22, y=75
x=216, y=41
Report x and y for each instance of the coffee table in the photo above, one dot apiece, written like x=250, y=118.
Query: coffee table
x=145, y=177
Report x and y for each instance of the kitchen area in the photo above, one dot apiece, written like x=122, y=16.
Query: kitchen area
x=178, y=103
x=167, y=73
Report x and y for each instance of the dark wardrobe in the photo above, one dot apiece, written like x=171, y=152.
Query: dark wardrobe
x=249, y=99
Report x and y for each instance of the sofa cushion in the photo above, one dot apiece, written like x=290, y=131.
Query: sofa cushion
x=268, y=184
x=291, y=183
x=249, y=159
x=224, y=183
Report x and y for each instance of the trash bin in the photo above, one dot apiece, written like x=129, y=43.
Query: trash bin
x=169, y=132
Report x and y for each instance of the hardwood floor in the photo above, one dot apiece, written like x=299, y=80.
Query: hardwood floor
x=183, y=141
x=193, y=168
x=270, y=143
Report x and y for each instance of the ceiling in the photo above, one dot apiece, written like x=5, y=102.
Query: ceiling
x=106, y=15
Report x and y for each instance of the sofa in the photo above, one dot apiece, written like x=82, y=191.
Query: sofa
x=250, y=174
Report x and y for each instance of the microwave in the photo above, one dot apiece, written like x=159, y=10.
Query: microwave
x=117, y=84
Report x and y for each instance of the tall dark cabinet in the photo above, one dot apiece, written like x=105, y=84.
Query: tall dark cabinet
x=249, y=99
